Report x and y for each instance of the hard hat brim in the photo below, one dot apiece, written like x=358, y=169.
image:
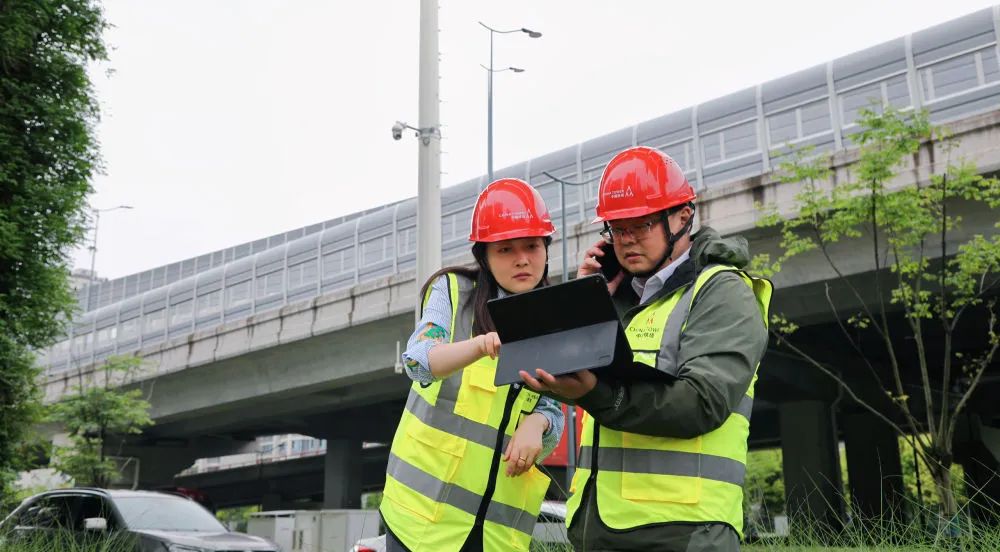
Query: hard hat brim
x=512, y=235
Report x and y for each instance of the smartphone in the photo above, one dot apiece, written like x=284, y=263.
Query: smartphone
x=610, y=267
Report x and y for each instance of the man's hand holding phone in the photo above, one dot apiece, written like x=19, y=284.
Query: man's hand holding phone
x=601, y=258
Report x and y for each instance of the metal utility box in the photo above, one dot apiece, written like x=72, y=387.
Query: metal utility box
x=315, y=530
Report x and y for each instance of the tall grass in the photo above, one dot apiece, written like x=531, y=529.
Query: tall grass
x=926, y=531
x=66, y=541
x=900, y=538
x=974, y=537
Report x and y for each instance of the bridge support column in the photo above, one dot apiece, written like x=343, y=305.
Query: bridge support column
x=342, y=474
x=874, y=469
x=981, y=462
x=811, y=463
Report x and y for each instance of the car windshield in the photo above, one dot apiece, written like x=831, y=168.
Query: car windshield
x=165, y=513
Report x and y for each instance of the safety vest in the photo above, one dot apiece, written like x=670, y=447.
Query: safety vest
x=445, y=472
x=642, y=479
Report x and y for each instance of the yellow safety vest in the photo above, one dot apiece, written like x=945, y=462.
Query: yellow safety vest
x=645, y=480
x=445, y=470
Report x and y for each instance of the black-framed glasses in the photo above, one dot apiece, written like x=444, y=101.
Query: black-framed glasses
x=636, y=231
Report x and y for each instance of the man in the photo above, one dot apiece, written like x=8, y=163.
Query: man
x=662, y=459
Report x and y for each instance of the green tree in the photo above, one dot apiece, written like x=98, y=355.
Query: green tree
x=236, y=518
x=919, y=485
x=48, y=153
x=908, y=232
x=95, y=413
x=372, y=501
x=764, y=487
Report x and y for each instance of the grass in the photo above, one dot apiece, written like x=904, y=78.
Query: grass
x=965, y=536
x=64, y=541
x=962, y=536
x=925, y=533
x=976, y=538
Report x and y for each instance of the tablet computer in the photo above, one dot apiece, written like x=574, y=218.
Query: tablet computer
x=561, y=329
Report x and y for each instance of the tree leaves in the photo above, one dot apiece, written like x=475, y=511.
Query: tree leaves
x=96, y=411
x=909, y=227
x=48, y=154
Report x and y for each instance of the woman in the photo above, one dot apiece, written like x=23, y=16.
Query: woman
x=461, y=474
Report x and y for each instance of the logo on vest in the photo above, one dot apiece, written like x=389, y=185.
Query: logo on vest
x=647, y=330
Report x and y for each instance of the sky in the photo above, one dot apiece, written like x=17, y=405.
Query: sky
x=225, y=121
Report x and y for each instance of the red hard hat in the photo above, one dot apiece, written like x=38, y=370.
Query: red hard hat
x=510, y=208
x=640, y=181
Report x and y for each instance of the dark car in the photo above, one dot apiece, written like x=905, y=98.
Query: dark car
x=152, y=521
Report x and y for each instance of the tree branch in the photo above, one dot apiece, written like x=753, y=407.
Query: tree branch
x=925, y=377
x=847, y=335
x=943, y=304
x=809, y=359
x=841, y=277
x=983, y=365
x=915, y=327
x=885, y=333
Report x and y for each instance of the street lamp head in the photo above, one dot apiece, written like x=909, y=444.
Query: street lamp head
x=532, y=34
x=112, y=208
x=516, y=69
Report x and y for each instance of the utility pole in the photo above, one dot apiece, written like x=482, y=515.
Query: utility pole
x=429, y=145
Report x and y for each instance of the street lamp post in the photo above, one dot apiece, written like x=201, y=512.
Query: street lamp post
x=429, y=154
x=571, y=413
x=93, y=248
x=428, y=132
x=489, y=90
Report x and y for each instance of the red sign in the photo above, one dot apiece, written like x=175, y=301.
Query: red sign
x=559, y=456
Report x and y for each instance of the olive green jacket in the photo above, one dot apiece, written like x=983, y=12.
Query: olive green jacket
x=721, y=346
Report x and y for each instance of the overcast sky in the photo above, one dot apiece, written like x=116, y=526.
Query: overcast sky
x=226, y=121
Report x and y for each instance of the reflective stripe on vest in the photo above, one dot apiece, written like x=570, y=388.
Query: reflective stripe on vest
x=454, y=495
x=666, y=462
x=745, y=407
x=449, y=422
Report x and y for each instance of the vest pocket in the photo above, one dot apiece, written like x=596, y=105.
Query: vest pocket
x=475, y=397
x=661, y=488
x=437, y=455
x=525, y=494
x=655, y=474
x=534, y=485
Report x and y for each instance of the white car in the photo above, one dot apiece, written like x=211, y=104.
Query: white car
x=551, y=525
x=372, y=544
x=550, y=529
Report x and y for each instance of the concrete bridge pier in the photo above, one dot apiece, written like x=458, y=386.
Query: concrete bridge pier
x=342, y=476
x=811, y=463
x=978, y=450
x=874, y=469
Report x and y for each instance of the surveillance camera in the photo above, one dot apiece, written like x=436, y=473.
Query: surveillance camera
x=397, y=130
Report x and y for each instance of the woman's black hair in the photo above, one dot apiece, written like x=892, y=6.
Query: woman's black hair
x=486, y=285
